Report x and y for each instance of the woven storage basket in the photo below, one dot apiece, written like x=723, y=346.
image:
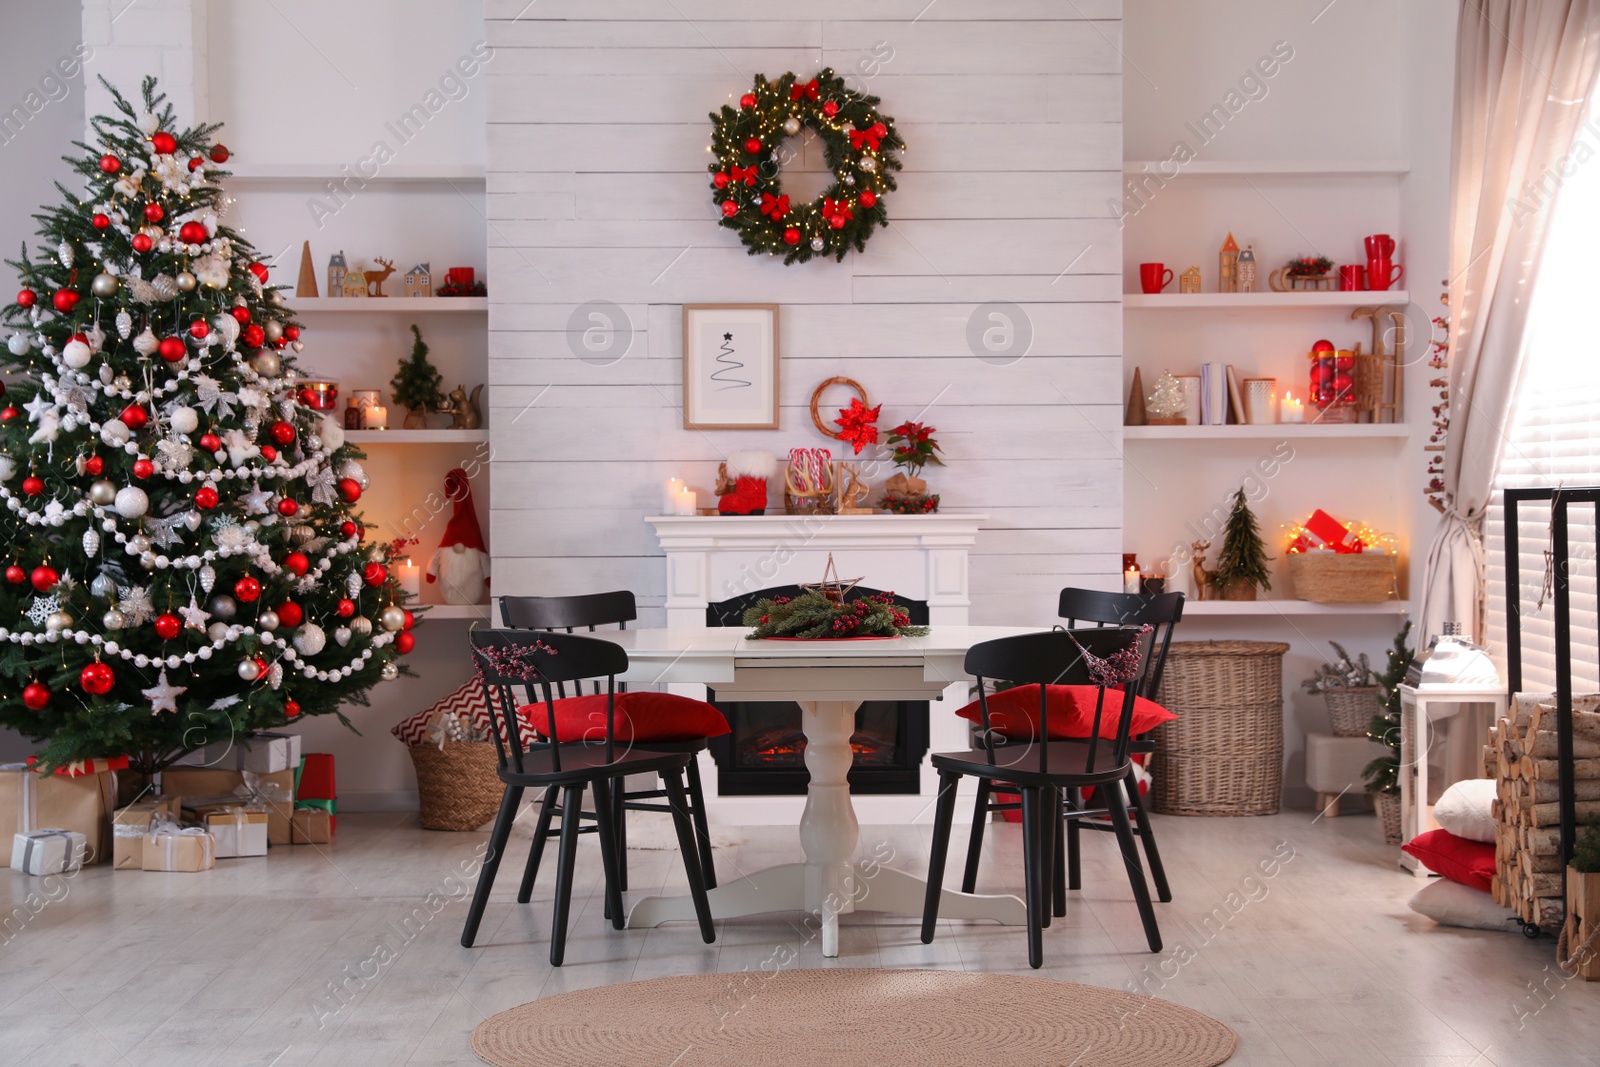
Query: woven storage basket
x=1351, y=709
x=1342, y=577
x=1223, y=755
x=457, y=785
x=1388, y=806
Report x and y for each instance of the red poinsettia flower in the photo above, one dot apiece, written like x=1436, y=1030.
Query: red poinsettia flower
x=858, y=424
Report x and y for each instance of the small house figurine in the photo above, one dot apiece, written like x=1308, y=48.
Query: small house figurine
x=336, y=272
x=1245, y=270
x=353, y=283
x=1228, y=265
x=1189, y=280
x=418, y=281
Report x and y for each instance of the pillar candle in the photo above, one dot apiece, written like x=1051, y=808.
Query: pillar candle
x=410, y=577
x=1291, y=410
x=669, y=496
x=1130, y=580
x=685, y=502
x=377, y=417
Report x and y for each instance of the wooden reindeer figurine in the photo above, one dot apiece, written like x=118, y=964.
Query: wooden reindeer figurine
x=375, y=278
x=1204, y=580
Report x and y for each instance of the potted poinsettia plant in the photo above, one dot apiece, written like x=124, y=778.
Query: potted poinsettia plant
x=914, y=448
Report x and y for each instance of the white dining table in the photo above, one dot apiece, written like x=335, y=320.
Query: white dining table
x=829, y=679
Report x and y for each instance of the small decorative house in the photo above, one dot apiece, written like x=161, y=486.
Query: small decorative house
x=418, y=282
x=1227, y=266
x=354, y=284
x=1189, y=280
x=336, y=272
x=1245, y=270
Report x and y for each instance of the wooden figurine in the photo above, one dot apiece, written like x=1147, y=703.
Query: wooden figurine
x=376, y=278
x=307, y=284
x=1189, y=280
x=1227, y=264
x=1204, y=581
x=1244, y=271
x=1135, y=414
x=336, y=272
x=848, y=492
x=418, y=281
x=464, y=412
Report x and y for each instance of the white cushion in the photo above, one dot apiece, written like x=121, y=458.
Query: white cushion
x=1453, y=904
x=1467, y=810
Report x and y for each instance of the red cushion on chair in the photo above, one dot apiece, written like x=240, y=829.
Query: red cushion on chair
x=642, y=717
x=1014, y=713
x=1442, y=852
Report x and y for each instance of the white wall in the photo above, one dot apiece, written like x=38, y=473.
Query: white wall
x=599, y=191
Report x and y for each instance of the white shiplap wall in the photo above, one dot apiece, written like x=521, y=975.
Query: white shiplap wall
x=598, y=190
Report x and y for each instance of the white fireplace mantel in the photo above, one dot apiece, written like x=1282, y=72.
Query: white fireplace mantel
x=715, y=557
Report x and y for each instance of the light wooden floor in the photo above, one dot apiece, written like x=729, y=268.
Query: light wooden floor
x=335, y=956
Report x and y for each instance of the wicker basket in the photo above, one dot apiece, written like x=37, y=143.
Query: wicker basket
x=1351, y=708
x=1388, y=806
x=1342, y=577
x=457, y=785
x=1223, y=755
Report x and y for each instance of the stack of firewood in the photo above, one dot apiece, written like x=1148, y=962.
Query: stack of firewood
x=1521, y=757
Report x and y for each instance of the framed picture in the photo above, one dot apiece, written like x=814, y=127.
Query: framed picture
x=730, y=366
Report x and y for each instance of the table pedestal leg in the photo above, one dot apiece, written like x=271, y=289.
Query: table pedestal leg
x=828, y=828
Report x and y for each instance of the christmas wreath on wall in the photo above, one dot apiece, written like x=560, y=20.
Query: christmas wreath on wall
x=860, y=145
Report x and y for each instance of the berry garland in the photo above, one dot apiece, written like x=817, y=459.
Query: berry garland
x=860, y=145
x=813, y=615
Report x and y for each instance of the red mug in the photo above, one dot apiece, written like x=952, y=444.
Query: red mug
x=1352, y=278
x=1381, y=274
x=462, y=276
x=1154, y=277
x=1380, y=246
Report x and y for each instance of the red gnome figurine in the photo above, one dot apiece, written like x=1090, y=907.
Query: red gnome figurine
x=461, y=565
x=742, y=483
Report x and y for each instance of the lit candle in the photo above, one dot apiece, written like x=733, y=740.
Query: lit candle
x=1291, y=410
x=410, y=577
x=1130, y=580
x=685, y=502
x=377, y=417
x=669, y=496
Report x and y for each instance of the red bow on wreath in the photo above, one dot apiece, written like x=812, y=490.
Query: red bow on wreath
x=832, y=208
x=809, y=90
x=872, y=136
x=776, y=206
x=747, y=175
x=858, y=424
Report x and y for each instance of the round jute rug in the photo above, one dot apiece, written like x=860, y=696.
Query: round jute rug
x=852, y=1018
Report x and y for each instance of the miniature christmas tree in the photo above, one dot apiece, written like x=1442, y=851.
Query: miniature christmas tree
x=185, y=562
x=1243, y=562
x=416, y=384
x=1166, y=402
x=1383, y=774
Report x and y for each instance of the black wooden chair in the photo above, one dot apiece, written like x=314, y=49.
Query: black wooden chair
x=1161, y=612
x=536, y=664
x=589, y=611
x=1043, y=772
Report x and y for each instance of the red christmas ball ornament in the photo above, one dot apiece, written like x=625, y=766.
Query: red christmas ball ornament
x=154, y=212
x=143, y=468
x=65, y=300
x=262, y=667
x=729, y=209
x=282, y=432
x=720, y=180
x=194, y=163
x=164, y=143
x=350, y=489
x=97, y=679
x=291, y=333
x=44, y=578
x=260, y=271
x=205, y=497
x=1323, y=346
x=404, y=642
x=753, y=145
x=269, y=453
x=142, y=243
x=110, y=164
x=868, y=198
x=35, y=697
x=168, y=626
x=837, y=222
x=247, y=589
x=287, y=507
x=253, y=335
x=134, y=417
x=219, y=153
x=94, y=465
x=349, y=528
x=411, y=620
x=791, y=236
x=193, y=233
x=199, y=329
x=344, y=610
x=8, y=413
x=296, y=563
x=375, y=574
x=748, y=100
x=290, y=614
x=240, y=314
x=33, y=485
x=291, y=709
x=208, y=441
x=27, y=298
x=830, y=108
x=100, y=221
x=171, y=348
x=16, y=575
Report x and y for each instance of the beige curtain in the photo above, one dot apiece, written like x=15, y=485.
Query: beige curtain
x=1524, y=71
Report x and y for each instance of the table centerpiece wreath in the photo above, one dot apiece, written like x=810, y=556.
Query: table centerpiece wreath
x=861, y=147
x=812, y=616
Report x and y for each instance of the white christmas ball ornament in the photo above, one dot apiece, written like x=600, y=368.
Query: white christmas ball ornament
x=228, y=326
x=115, y=433
x=791, y=126
x=267, y=620
x=76, y=355
x=389, y=672
x=248, y=670
x=18, y=344
x=184, y=419
x=217, y=631
x=310, y=640
x=8, y=468
x=104, y=285
x=266, y=363
x=114, y=620
x=392, y=618
x=131, y=502
x=102, y=494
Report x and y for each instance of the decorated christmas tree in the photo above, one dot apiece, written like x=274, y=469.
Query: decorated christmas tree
x=1243, y=561
x=1383, y=774
x=184, y=561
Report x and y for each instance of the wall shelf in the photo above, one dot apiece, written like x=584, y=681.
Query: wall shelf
x=411, y=305
x=1298, y=431
x=339, y=172
x=1260, y=301
x=415, y=437
x=454, y=611
x=1288, y=607
x=1270, y=168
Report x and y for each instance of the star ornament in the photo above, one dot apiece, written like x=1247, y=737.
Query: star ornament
x=194, y=616
x=37, y=407
x=858, y=424
x=163, y=696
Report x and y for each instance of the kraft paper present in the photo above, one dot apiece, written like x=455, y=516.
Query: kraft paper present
x=49, y=851
x=265, y=753
x=273, y=793
x=171, y=849
x=130, y=825
x=81, y=804
x=239, y=831
x=310, y=826
x=199, y=782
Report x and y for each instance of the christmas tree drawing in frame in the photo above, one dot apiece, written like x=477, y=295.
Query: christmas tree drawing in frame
x=185, y=563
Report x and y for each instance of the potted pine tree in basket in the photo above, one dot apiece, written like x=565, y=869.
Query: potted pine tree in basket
x=416, y=384
x=1242, y=567
x=1578, y=951
x=1350, y=689
x=1383, y=774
